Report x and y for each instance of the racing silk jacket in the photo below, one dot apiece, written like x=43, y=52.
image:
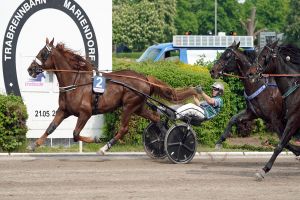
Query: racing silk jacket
x=211, y=111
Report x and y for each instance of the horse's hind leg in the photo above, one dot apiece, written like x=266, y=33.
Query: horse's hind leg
x=59, y=117
x=148, y=114
x=244, y=115
x=124, y=126
x=81, y=121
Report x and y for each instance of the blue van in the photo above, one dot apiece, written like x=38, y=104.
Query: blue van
x=190, y=48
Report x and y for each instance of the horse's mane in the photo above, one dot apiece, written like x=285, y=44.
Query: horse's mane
x=290, y=50
x=75, y=60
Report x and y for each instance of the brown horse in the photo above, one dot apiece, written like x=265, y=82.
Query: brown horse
x=74, y=74
x=283, y=60
x=263, y=99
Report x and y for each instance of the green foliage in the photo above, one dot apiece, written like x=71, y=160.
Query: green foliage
x=185, y=19
x=132, y=55
x=199, y=15
x=139, y=24
x=167, y=12
x=293, y=23
x=270, y=14
x=177, y=75
x=13, y=116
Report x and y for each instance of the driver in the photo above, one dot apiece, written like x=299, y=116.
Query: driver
x=204, y=110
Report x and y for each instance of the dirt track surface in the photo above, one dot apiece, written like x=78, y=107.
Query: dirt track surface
x=91, y=177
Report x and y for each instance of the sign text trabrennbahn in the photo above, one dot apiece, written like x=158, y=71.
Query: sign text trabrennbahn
x=17, y=21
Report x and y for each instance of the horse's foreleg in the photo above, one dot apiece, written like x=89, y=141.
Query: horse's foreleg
x=244, y=115
x=59, y=117
x=289, y=131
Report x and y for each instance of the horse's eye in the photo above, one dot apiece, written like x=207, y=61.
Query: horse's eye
x=44, y=55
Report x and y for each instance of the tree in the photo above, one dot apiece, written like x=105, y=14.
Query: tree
x=293, y=23
x=167, y=13
x=228, y=14
x=137, y=25
x=186, y=19
x=250, y=24
x=270, y=14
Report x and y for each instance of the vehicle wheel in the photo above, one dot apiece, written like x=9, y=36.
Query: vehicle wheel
x=153, y=141
x=180, y=143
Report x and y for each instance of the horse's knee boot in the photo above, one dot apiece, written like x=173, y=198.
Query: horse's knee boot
x=51, y=128
x=75, y=136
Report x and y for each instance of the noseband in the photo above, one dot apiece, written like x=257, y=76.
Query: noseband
x=225, y=63
x=45, y=55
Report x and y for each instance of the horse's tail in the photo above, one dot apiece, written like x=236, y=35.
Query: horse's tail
x=168, y=93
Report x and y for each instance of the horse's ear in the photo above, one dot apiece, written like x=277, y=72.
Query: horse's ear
x=51, y=43
x=47, y=41
x=238, y=44
x=234, y=43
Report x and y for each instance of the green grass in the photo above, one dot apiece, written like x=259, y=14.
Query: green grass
x=139, y=148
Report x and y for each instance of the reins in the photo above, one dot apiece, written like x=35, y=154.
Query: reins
x=280, y=75
x=104, y=72
x=235, y=76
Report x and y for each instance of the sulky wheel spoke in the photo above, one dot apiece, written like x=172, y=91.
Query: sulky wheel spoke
x=174, y=144
x=152, y=142
x=178, y=153
x=188, y=148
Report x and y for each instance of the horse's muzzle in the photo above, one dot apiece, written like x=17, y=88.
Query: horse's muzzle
x=33, y=71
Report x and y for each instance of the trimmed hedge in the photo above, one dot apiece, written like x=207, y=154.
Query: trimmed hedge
x=13, y=116
x=178, y=75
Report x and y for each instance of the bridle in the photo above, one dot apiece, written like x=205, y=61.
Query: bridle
x=39, y=68
x=271, y=54
x=225, y=63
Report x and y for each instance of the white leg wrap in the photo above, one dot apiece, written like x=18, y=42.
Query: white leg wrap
x=103, y=150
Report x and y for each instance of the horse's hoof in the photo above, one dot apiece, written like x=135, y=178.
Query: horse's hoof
x=101, y=152
x=218, y=147
x=259, y=176
x=31, y=147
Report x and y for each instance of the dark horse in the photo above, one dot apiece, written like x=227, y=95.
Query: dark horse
x=74, y=75
x=263, y=98
x=283, y=60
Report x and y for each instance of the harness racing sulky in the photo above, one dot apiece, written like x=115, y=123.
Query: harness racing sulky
x=83, y=94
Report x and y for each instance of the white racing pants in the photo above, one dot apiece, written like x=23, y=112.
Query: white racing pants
x=190, y=109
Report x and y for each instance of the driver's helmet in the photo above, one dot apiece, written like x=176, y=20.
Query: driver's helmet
x=219, y=86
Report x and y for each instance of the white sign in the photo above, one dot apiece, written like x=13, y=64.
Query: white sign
x=82, y=25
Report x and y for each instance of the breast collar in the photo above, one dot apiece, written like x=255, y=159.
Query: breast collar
x=258, y=91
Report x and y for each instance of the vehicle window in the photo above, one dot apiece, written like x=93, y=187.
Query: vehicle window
x=172, y=55
x=149, y=54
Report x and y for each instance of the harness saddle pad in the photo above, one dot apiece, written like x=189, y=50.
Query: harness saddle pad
x=99, y=84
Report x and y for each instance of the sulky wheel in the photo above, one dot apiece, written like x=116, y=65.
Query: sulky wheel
x=153, y=141
x=180, y=143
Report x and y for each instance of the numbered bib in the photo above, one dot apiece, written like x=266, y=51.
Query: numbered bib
x=99, y=84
